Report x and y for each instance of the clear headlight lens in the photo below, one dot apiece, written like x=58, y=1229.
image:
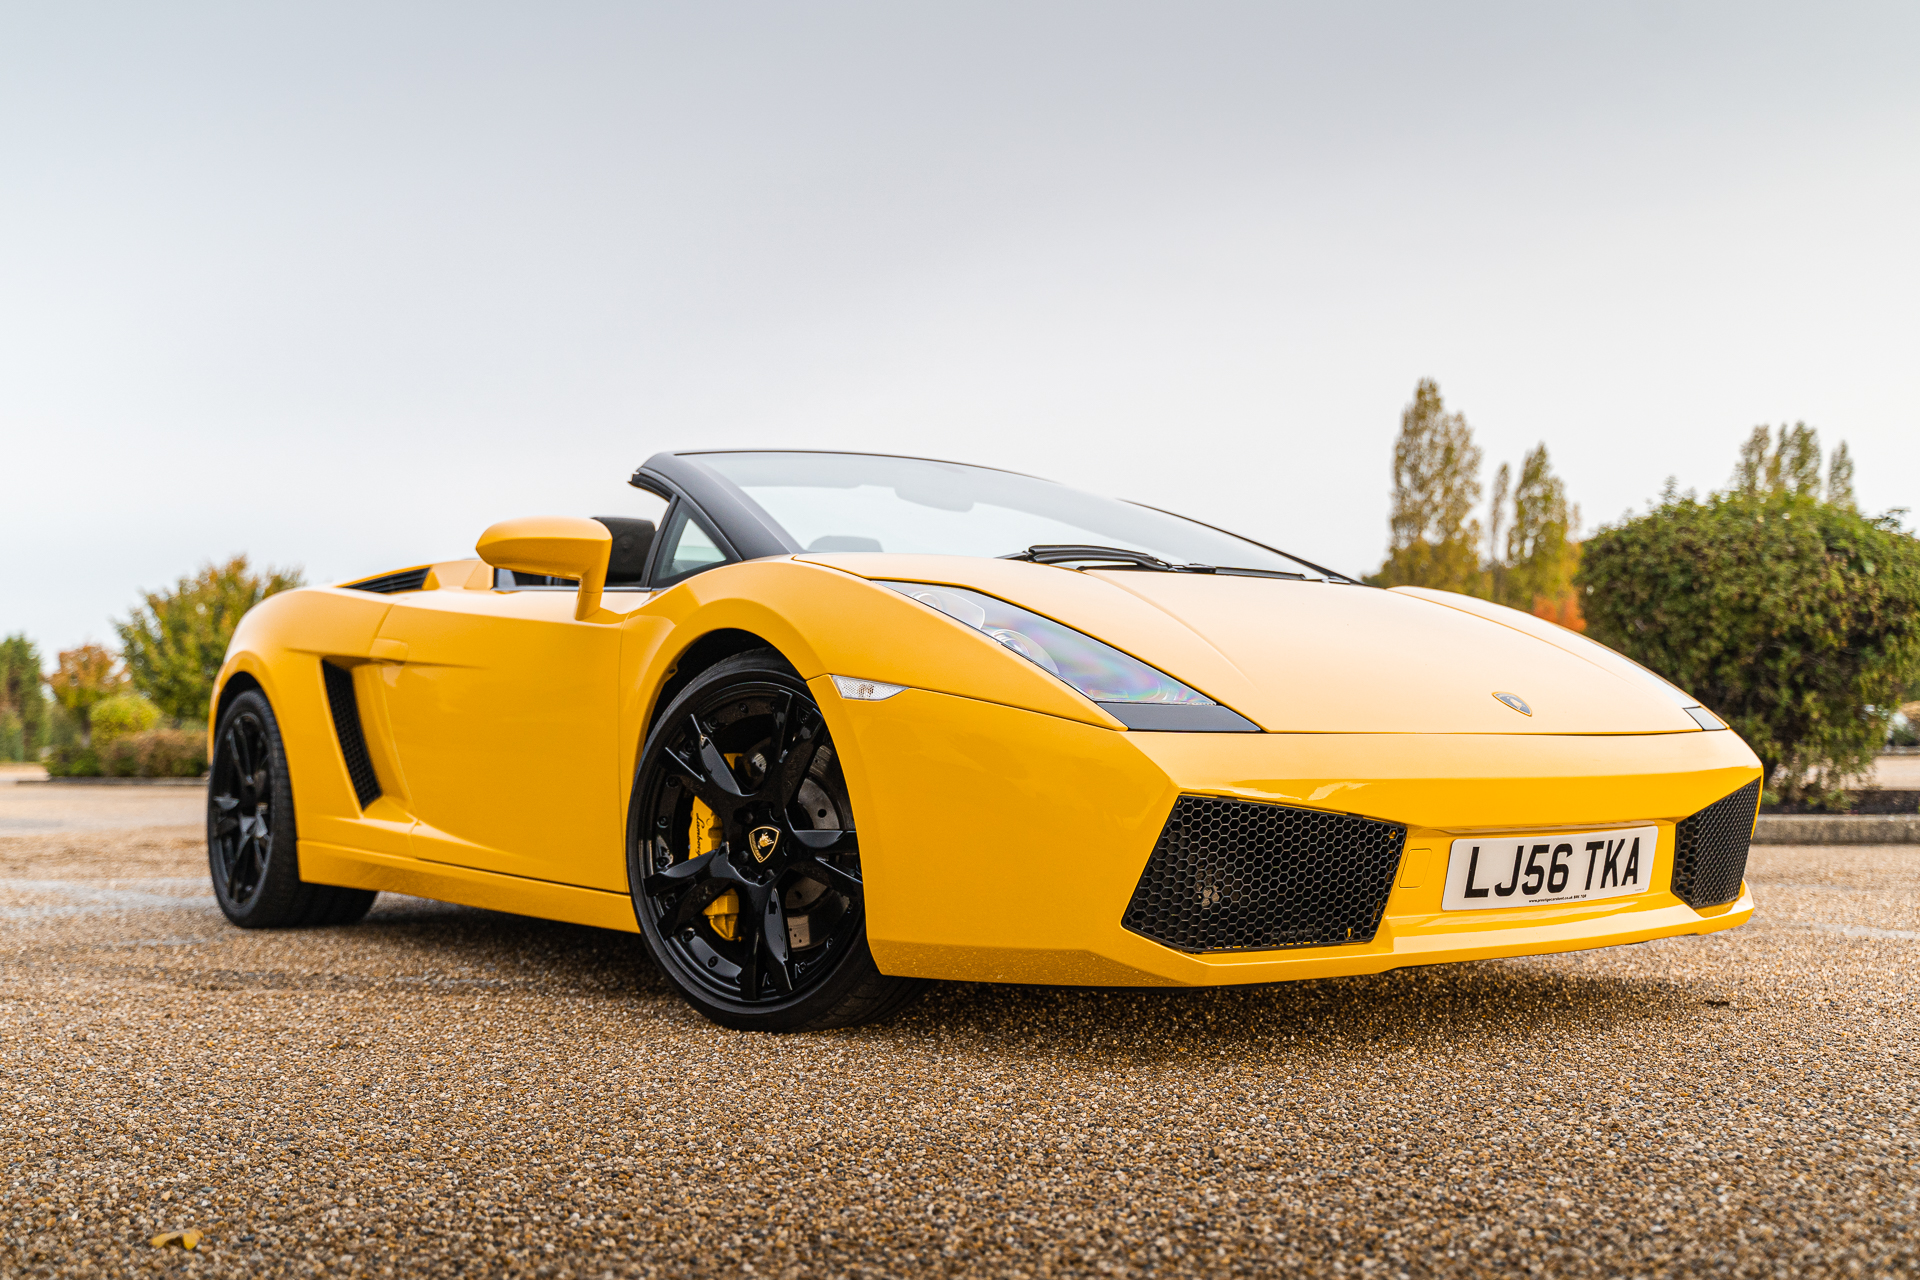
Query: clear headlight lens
x=1099, y=671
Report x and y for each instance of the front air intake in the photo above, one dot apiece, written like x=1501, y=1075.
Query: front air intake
x=1234, y=875
x=346, y=727
x=1710, y=849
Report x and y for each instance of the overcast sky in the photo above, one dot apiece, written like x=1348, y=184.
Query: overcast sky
x=338, y=285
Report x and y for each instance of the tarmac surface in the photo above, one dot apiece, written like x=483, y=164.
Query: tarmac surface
x=441, y=1091
x=1896, y=772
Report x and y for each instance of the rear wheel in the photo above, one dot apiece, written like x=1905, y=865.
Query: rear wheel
x=252, y=851
x=744, y=861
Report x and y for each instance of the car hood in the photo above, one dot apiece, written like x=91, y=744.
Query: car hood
x=1319, y=657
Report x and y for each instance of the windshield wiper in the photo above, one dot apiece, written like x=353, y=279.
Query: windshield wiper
x=1119, y=557
x=1080, y=553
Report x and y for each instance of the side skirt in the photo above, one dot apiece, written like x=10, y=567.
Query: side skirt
x=389, y=873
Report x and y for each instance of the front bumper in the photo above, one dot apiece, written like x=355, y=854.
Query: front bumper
x=1004, y=845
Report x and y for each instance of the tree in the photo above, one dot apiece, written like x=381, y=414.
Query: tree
x=23, y=702
x=1796, y=620
x=85, y=677
x=1791, y=464
x=1840, y=478
x=1750, y=473
x=1540, y=558
x=1496, y=519
x=176, y=640
x=1434, y=539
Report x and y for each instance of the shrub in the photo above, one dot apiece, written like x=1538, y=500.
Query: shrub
x=1798, y=621
x=63, y=729
x=1905, y=730
x=155, y=753
x=73, y=761
x=120, y=715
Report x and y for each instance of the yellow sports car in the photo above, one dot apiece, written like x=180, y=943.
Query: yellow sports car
x=824, y=725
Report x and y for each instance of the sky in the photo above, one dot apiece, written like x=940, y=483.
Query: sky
x=338, y=285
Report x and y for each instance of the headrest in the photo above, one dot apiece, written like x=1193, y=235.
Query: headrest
x=627, y=563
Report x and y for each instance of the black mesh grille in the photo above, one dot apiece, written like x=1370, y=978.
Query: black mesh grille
x=1710, y=849
x=1233, y=875
x=388, y=583
x=346, y=725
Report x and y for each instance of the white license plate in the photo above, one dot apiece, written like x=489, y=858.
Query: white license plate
x=1567, y=866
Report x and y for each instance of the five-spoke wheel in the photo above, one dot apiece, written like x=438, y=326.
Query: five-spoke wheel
x=251, y=848
x=744, y=860
x=240, y=817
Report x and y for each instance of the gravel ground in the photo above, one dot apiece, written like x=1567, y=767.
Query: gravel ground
x=443, y=1091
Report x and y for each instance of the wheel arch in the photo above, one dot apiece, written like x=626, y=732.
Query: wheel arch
x=237, y=684
x=702, y=654
x=242, y=672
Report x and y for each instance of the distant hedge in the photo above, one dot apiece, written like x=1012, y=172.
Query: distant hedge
x=1796, y=620
x=155, y=753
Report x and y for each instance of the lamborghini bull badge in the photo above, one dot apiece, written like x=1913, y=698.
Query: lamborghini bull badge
x=763, y=841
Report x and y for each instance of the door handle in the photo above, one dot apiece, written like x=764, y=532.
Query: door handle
x=388, y=651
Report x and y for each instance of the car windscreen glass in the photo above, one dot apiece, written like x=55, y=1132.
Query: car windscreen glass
x=689, y=548
x=866, y=502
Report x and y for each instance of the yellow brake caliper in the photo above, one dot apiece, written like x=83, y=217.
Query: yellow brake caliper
x=703, y=836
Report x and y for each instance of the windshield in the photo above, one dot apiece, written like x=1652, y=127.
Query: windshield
x=866, y=502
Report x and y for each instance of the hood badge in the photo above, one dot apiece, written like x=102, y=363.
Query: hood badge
x=762, y=841
x=1515, y=701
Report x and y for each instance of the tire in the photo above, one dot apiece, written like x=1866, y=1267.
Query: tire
x=745, y=742
x=252, y=847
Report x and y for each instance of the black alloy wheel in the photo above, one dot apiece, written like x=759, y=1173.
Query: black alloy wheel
x=252, y=850
x=744, y=861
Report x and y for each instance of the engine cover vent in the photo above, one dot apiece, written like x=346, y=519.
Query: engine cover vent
x=1236, y=875
x=346, y=726
x=1710, y=849
x=389, y=583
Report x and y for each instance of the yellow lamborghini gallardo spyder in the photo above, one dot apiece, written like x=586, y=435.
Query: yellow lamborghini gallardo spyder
x=836, y=723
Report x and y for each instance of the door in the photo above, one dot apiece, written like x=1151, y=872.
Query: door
x=503, y=712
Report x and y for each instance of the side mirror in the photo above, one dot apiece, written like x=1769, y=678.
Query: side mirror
x=557, y=546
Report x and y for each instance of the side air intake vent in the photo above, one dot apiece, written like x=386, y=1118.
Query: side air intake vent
x=346, y=726
x=1234, y=875
x=1710, y=849
x=388, y=583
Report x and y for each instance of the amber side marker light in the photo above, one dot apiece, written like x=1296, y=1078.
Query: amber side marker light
x=857, y=690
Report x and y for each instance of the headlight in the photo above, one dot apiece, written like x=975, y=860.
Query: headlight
x=1136, y=694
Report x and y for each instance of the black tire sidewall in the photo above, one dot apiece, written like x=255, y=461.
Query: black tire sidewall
x=279, y=898
x=856, y=968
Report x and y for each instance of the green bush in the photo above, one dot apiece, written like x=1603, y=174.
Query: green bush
x=155, y=753
x=73, y=761
x=63, y=729
x=13, y=736
x=1906, y=729
x=121, y=715
x=1798, y=621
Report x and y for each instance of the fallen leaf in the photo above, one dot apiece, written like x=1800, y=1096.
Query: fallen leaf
x=183, y=1239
